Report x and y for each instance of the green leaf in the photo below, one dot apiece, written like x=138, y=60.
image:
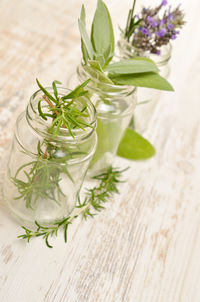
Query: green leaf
x=83, y=15
x=102, y=142
x=78, y=91
x=130, y=66
x=108, y=54
x=135, y=147
x=95, y=64
x=85, y=39
x=83, y=47
x=46, y=92
x=108, y=136
x=95, y=73
x=84, y=52
x=149, y=80
x=100, y=59
x=55, y=88
x=102, y=34
x=40, y=111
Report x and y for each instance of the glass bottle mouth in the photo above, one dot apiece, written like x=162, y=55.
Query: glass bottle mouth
x=41, y=126
x=98, y=84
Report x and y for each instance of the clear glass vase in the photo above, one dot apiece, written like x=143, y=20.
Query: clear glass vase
x=44, y=174
x=115, y=106
x=147, y=98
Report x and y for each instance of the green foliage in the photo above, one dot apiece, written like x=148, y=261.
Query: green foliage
x=102, y=35
x=40, y=178
x=148, y=80
x=131, y=66
x=98, y=52
x=94, y=202
x=135, y=147
x=64, y=113
x=131, y=24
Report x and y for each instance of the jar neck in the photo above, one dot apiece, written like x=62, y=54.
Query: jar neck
x=41, y=126
x=106, y=90
x=128, y=51
x=111, y=101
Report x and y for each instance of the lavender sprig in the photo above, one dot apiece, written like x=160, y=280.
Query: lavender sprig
x=156, y=27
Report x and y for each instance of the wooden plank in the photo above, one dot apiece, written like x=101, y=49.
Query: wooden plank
x=145, y=246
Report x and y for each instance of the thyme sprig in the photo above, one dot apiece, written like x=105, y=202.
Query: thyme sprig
x=92, y=203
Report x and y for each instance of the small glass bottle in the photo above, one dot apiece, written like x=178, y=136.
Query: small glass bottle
x=45, y=173
x=115, y=106
x=147, y=98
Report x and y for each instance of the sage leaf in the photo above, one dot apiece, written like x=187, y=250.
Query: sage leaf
x=95, y=64
x=85, y=39
x=108, y=54
x=83, y=47
x=102, y=142
x=148, y=79
x=83, y=15
x=84, y=52
x=108, y=138
x=102, y=35
x=135, y=147
x=130, y=66
x=95, y=73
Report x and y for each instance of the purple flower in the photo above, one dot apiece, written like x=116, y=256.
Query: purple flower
x=161, y=32
x=157, y=27
x=170, y=26
x=145, y=31
x=162, y=22
x=154, y=23
x=164, y=2
x=170, y=16
x=149, y=19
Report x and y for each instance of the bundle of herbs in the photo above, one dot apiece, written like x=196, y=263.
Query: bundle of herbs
x=45, y=172
x=154, y=27
x=106, y=70
x=42, y=180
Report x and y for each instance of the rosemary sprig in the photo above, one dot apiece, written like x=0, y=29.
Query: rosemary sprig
x=40, y=178
x=64, y=112
x=94, y=201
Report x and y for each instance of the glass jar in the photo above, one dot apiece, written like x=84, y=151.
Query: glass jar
x=115, y=106
x=147, y=98
x=127, y=51
x=45, y=174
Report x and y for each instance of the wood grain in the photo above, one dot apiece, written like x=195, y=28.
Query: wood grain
x=145, y=246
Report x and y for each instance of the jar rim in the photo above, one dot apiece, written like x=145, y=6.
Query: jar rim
x=33, y=155
x=114, y=89
x=40, y=125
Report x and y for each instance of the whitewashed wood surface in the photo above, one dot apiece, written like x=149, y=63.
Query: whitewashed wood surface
x=145, y=247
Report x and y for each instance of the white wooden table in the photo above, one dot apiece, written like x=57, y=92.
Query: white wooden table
x=145, y=247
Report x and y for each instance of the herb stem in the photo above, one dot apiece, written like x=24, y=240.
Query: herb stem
x=94, y=200
x=50, y=104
